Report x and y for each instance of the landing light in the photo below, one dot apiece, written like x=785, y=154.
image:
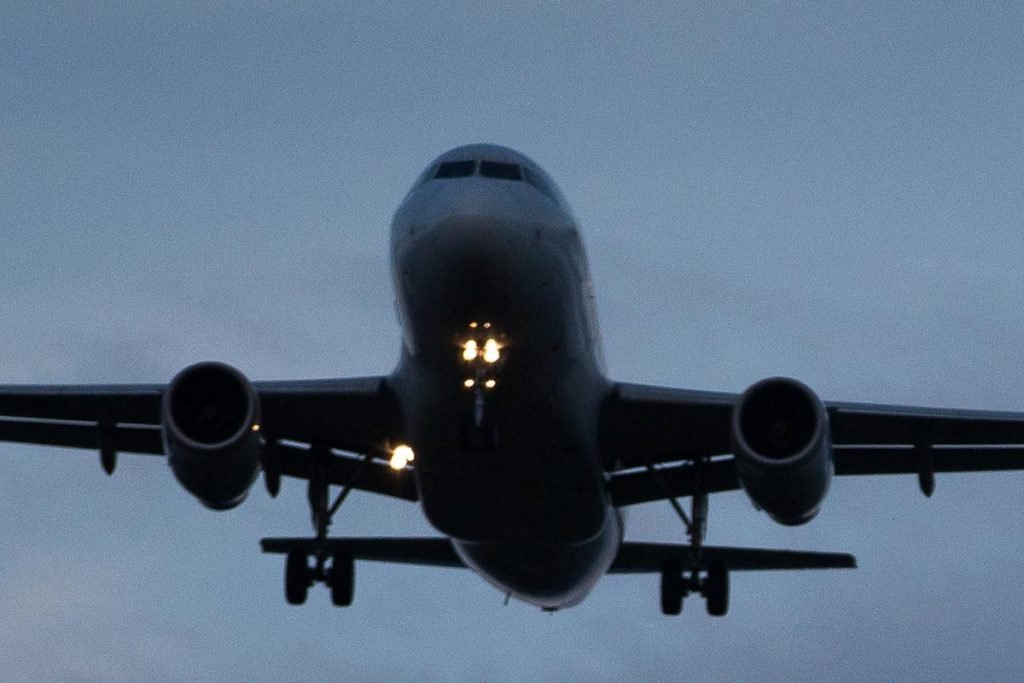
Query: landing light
x=255, y=428
x=492, y=352
x=401, y=456
x=490, y=384
x=469, y=383
x=469, y=351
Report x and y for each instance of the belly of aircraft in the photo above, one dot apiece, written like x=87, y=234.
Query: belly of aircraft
x=549, y=575
x=526, y=473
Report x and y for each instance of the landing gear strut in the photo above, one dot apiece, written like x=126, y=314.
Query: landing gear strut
x=482, y=354
x=339, y=575
x=677, y=582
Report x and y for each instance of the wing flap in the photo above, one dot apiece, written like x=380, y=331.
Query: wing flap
x=126, y=438
x=673, y=481
x=346, y=470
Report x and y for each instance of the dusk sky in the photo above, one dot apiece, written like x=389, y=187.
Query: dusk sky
x=830, y=191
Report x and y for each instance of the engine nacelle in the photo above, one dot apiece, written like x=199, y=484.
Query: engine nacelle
x=211, y=417
x=783, y=448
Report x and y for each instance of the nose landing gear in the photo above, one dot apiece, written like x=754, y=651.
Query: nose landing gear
x=482, y=352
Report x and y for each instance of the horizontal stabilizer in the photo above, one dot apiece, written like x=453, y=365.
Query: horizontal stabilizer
x=642, y=558
x=433, y=552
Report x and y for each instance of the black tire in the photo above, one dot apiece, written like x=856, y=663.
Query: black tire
x=718, y=591
x=671, y=589
x=342, y=580
x=296, y=578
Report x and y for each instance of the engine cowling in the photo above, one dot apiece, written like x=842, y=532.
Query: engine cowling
x=783, y=448
x=211, y=417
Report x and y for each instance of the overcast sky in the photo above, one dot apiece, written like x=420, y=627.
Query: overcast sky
x=829, y=191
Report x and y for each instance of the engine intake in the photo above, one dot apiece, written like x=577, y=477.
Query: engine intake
x=783, y=448
x=210, y=417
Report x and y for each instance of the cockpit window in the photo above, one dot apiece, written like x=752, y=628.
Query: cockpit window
x=496, y=169
x=456, y=169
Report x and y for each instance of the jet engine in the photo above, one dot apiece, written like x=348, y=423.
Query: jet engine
x=211, y=418
x=783, y=449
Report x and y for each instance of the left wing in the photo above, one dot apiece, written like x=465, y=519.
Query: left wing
x=350, y=417
x=684, y=435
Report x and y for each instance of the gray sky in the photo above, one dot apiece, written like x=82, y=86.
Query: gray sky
x=829, y=191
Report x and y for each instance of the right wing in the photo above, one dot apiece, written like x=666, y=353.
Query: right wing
x=349, y=417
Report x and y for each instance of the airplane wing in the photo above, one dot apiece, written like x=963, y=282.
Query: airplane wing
x=660, y=442
x=351, y=417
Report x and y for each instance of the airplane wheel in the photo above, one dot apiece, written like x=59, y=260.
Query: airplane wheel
x=342, y=580
x=671, y=589
x=296, y=578
x=718, y=591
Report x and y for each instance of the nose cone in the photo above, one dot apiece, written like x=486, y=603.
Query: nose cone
x=466, y=264
x=469, y=237
x=475, y=241
x=483, y=199
x=484, y=267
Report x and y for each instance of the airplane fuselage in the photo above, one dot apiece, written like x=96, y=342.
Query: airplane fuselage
x=501, y=374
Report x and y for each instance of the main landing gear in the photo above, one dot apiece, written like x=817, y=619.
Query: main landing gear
x=334, y=569
x=299, y=576
x=676, y=585
x=682, y=576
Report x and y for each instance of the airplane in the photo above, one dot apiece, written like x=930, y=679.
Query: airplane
x=500, y=420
